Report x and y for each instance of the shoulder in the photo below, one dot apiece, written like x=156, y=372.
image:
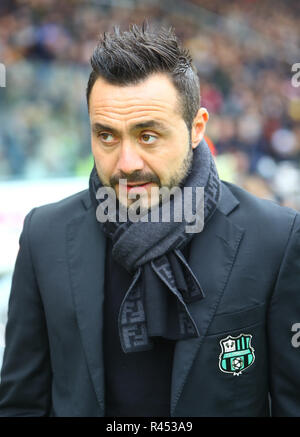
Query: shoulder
x=252, y=206
x=72, y=204
x=264, y=218
x=54, y=216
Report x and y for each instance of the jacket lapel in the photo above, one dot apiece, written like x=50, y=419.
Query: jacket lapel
x=86, y=255
x=212, y=255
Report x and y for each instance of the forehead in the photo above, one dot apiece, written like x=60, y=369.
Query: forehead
x=156, y=96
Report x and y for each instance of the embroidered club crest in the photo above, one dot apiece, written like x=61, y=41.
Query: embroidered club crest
x=237, y=354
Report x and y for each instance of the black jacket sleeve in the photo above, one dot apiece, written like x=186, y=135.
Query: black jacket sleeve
x=284, y=357
x=25, y=387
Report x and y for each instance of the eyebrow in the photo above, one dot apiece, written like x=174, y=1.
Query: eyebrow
x=144, y=125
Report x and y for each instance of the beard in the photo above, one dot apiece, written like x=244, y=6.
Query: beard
x=178, y=179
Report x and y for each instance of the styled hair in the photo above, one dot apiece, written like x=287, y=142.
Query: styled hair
x=128, y=57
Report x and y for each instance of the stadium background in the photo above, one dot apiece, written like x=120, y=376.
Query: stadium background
x=244, y=51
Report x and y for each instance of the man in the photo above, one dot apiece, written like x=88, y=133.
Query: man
x=144, y=318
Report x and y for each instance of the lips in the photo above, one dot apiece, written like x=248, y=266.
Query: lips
x=137, y=186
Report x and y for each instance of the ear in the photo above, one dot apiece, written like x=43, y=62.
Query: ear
x=198, y=127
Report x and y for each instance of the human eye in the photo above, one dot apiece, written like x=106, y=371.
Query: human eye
x=107, y=137
x=148, y=138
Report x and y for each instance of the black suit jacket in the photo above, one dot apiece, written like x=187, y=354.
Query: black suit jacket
x=247, y=261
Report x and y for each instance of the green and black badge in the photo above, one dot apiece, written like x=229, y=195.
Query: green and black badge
x=237, y=354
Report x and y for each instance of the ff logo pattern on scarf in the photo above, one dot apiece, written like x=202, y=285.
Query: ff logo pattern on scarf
x=237, y=354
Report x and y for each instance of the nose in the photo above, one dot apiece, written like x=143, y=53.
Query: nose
x=129, y=159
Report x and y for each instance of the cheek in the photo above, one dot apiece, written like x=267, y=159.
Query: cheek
x=174, y=156
x=165, y=165
x=175, y=162
x=104, y=162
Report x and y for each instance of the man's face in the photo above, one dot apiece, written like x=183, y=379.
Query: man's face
x=138, y=134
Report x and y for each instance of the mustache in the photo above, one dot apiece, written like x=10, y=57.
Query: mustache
x=136, y=176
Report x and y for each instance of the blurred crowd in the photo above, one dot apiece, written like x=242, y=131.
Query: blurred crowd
x=243, y=50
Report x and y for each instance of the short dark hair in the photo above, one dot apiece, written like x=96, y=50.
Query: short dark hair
x=128, y=57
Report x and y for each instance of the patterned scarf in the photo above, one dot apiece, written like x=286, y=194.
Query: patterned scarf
x=155, y=305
